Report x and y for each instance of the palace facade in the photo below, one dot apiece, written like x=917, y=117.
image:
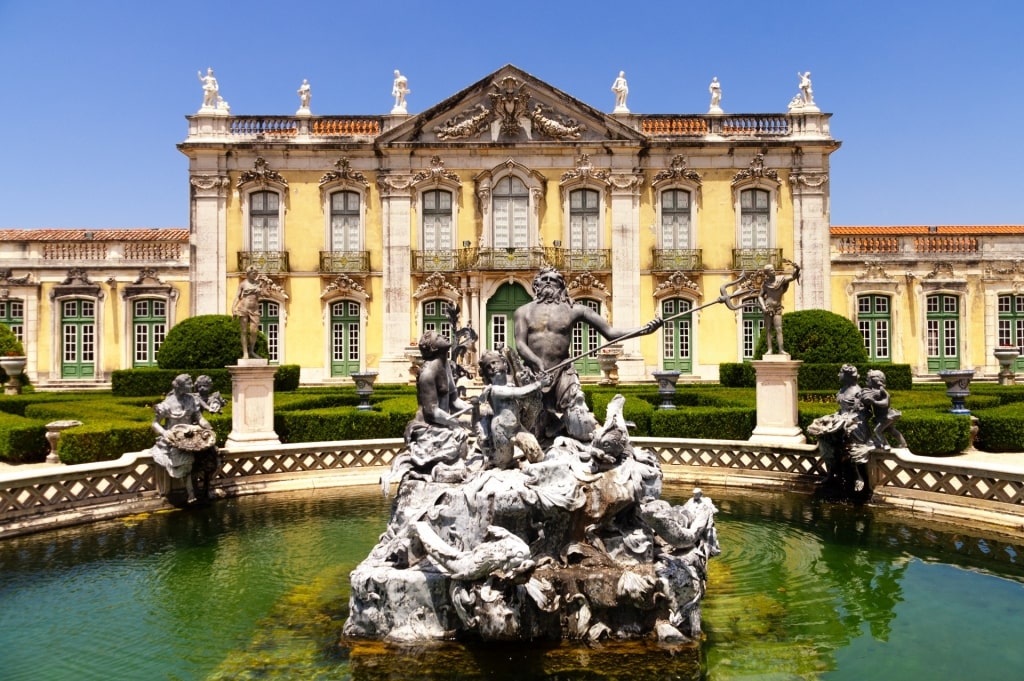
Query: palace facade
x=372, y=226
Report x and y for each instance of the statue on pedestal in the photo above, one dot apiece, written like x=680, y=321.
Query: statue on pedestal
x=247, y=310
x=621, y=89
x=399, y=89
x=211, y=91
x=769, y=299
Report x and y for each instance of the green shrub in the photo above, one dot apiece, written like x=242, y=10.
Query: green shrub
x=818, y=337
x=817, y=376
x=10, y=346
x=736, y=374
x=712, y=423
x=204, y=342
x=930, y=433
x=22, y=440
x=98, y=441
x=147, y=382
x=286, y=378
x=1001, y=429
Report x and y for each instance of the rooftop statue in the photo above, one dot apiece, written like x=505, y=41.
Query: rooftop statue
x=399, y=89
x=305, y=93
x=621, y=89
x=715, y=88
x=530, y=520
x=211, y=90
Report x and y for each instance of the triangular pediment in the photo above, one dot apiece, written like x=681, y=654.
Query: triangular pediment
x=509, y=106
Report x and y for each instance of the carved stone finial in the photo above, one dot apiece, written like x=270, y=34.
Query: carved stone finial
x=677, y=170
x=436, y=172
x=510, y=99
x=756, y=171
x=261, y=174
x=343, y=171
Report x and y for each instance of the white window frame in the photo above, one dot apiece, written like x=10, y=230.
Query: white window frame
x=535, y=187
x=246, y=200
x=773, y=208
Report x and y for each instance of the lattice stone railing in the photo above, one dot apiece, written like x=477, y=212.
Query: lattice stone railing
x=62, y=495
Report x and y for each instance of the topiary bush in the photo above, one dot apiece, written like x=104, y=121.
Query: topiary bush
x=818, y=337
x=10, y=346
x=210, y=341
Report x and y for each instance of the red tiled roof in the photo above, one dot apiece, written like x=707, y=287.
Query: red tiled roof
x=139, y=234
x=954, y=230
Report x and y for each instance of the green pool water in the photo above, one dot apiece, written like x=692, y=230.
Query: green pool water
x=257, y=588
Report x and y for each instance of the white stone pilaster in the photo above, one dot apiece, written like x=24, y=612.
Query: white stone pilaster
x=208, y=244
x=396, y=208
x=811, y=239
x=625, y=254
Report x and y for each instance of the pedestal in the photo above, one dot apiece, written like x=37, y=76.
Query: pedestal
x=777, y=417
x=53, y=431
x=252, y=405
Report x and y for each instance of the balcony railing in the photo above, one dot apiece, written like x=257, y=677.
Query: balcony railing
x=344, y=261
x=268, y=262
x=754, y=258
x=677, y=259
x=908, y=247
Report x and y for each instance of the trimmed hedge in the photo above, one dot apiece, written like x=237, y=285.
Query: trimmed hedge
x=148, y=382
x=209, y=341
x=817, y=376
x=22, y=440
x=714, y=423
x=818, y=337
x=1001, y=429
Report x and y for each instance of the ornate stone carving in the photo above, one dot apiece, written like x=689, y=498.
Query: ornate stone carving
x=77, y=274
x=1014, y=267
x=677, y=282
x=812, y=180
x=874, y=271
x=345, y=285
x=436, y=284
x=585, y=170
x=676, y=171
x=626, y=181
x=509, y=100
x=471, y=122
x=148, y=273
x=393, y=185
x=344, y=172
x=756, y=171
x=566, y=128
x=437, y=172
x=6, y=278
x=941, y=270
x=261, y=174
x=211, y=186
x=586, y=284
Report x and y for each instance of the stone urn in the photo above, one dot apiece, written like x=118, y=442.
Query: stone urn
x=958, y=383
x=415, y=357
x=1006, y=355
x=666, y=387
x=364, y=388
x=53, y=431
x=608, y=360
x=14, y=366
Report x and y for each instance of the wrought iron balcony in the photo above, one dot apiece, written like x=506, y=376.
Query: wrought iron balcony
x=581, y=259
x=268, y=262
x=439, y=260
x=678, y=259
x=755, y=258
x=344, y=261
x=491, y=259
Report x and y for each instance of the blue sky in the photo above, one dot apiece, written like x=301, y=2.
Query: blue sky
x=927, y=98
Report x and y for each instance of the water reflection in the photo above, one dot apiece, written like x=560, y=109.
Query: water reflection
x=257, y=588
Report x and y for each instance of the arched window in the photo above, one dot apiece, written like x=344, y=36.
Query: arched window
x=264, y=221
x=345, y=337
x=676, y=219
x=942, y=327
x=149, y=328
x=874, y=319
x=436, y=319
x=584, y=219
x=437, y=220
x=345, y=221
x=755, y=219
x=510, y=201
x=78, y=338
x=584, y=339
x=677, y=336
x=270, y=325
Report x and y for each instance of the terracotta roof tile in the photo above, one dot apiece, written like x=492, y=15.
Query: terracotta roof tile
x=138, y=234
x=896, y=230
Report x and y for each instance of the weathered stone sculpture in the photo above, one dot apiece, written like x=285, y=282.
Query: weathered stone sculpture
x=182, y=433
x=847, y=437
x=547, y=527
x=769, y=299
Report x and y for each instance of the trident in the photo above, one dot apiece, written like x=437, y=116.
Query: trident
x=725, y=297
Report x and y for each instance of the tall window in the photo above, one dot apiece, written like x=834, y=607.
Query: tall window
x=676, y=336
x=437, y=220
x=345, y=221
x=675, y=219
x=264, y=221
x=149, y=324
x=1011, y=324
x=942, y=325
x=78, y=338
x=584, y=339
x=12, y=315
x=753, y=324
x=270, y=325
x=511, y=204
x=874, y=319
x=755, y=205
x=583, y=219
x=345, y=338
x=435, y=318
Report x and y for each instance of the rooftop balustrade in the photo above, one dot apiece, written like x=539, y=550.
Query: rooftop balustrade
x=910, y=247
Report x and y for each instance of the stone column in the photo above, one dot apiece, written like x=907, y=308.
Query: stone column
x=208, y=244
x=396, y=202
x=777, y=417
x=811, y=240
x=625, y=247
x=252, y=405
